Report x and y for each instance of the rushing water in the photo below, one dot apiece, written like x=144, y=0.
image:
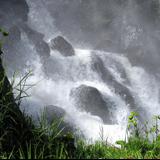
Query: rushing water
x=74, y=71
x=126, y=81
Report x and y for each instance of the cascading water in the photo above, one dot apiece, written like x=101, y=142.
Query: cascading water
x=112, y=84
x=74, y=71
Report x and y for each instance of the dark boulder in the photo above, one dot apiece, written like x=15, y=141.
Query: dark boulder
x=56, y=114
x=91, y=100
x=98, y=66
x=63, y=46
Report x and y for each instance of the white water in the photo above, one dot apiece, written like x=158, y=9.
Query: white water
x=55, y=90
x=66, y=73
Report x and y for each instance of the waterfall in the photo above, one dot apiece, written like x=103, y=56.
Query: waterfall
x=96, y=87
x=70, y=72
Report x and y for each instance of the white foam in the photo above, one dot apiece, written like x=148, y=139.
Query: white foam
x=49, y=91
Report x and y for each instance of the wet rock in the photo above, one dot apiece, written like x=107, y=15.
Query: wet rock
x=62, y=45
x=36, y=38
x=98, y=66
x=56, y=114
x=117, y=87
x=91, y=100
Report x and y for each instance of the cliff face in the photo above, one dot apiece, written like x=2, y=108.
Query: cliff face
x=6, y=96
x=13, y=125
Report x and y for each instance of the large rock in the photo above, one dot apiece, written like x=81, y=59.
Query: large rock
x=56, y=114
x=98, y=66
x=63, y=46
x=91, y=100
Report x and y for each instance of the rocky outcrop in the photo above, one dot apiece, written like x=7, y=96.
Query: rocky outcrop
x=91, y=100
x=13, y=122
x=62, y=45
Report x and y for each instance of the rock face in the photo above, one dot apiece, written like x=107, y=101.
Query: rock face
x=56, y=114
x=63, y=46
x=13, y=121
x=90, y=99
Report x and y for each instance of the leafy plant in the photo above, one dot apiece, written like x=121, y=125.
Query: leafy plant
x=133, y=123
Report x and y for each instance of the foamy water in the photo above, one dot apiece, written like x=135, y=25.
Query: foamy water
x=75, y=71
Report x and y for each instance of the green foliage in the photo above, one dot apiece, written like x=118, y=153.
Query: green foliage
x=133, y=123
x=132, y=119
x=48, y=142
